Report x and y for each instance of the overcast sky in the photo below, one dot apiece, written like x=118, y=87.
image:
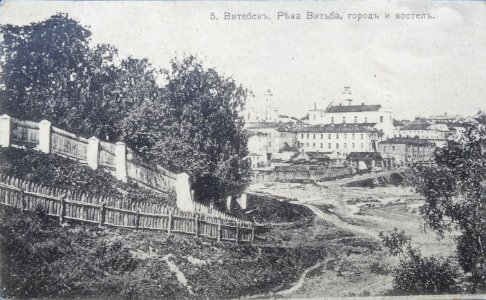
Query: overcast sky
x=426, y=66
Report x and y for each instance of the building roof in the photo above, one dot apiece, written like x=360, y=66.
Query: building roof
x=331, y=128
x=408, y=141
x=352, y=108
x=364, y=156
x=254, y=154
x=250, y=133
x=319, y=155
x=262, y=125
x=416, y=126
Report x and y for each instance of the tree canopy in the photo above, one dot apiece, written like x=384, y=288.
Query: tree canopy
x=51, y=70
x=455, y=198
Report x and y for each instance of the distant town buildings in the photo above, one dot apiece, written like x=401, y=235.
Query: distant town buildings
x=405, y=151
x=361, y=136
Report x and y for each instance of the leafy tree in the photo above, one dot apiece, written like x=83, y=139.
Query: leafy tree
x=416, y=274
x=455, y=198
x=396, y=241
x=49, y=71
x=199, y=130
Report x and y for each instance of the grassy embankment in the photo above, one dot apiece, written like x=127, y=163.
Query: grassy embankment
x=41, y=258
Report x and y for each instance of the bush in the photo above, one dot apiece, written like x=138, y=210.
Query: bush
x=60, y=172
x=418, y=275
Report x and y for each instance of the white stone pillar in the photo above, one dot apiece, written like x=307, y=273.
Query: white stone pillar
x=183, y=193
x=121, y=161
x=92, y=152
x=5, y=130
x=242, y=201
x=45, y=136
x=228, y=202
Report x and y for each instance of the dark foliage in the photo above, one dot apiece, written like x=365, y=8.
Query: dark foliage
x=56, y=171
x=51, y=71
x=418, y=275
x=455, y=199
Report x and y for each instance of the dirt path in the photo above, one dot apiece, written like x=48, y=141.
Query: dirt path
x=338, y=222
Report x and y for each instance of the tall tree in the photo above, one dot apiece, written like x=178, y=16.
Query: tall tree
x=455, y=198
x=49, y=71
x=200, y=129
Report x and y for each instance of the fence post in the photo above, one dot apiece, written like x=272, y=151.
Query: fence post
x=137, y=221
x=5, y=130
x=197, y=224
x=92, y=152
x=62, y=213
x=101, y=214
x=22, y=199
x=169, y=226
x=183, y=193
x=253, y=233
x=45, y=136
x=237, y=231
x=219, y=230
x=121, y=161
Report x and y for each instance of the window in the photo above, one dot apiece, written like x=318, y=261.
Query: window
x=345, y=146
x=322, y=145
x=337, y=135
x=362, y=136
x=361, y=145
x=381, y=119
x=322, y=136
x=345, y=136
x=366, y=119
x=307, y=135
x=355, y=119
x=352, y=136
x=329, y=145
x=269, y=144
x=352, y=145
x=302, y=136
x=314, y=145
x=329, y=136
x=344, y=120
x=337, y=145
x=332, y=120
x=314, y=136
x=307, y=144
x=384, y=148
x=393, y=148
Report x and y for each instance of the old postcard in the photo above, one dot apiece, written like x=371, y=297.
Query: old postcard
x=242, y=149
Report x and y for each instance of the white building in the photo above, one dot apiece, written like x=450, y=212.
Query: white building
x=339, y=139
x=260, y=109
x=426, y=131
x=374, y=115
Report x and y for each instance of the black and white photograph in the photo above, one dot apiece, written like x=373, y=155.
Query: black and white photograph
x=242, y=149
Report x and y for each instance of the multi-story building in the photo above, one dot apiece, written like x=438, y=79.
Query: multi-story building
x=407, y=151
x=425, y=131
x=375, y=116
x=338, y=139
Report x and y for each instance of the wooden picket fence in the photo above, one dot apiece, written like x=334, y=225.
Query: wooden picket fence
x=110, y=211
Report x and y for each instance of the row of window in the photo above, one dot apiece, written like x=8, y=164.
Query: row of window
x=329, y=146
x=355, y=119
x=329, y=136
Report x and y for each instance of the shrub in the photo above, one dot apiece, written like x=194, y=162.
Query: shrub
x=420, y=275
